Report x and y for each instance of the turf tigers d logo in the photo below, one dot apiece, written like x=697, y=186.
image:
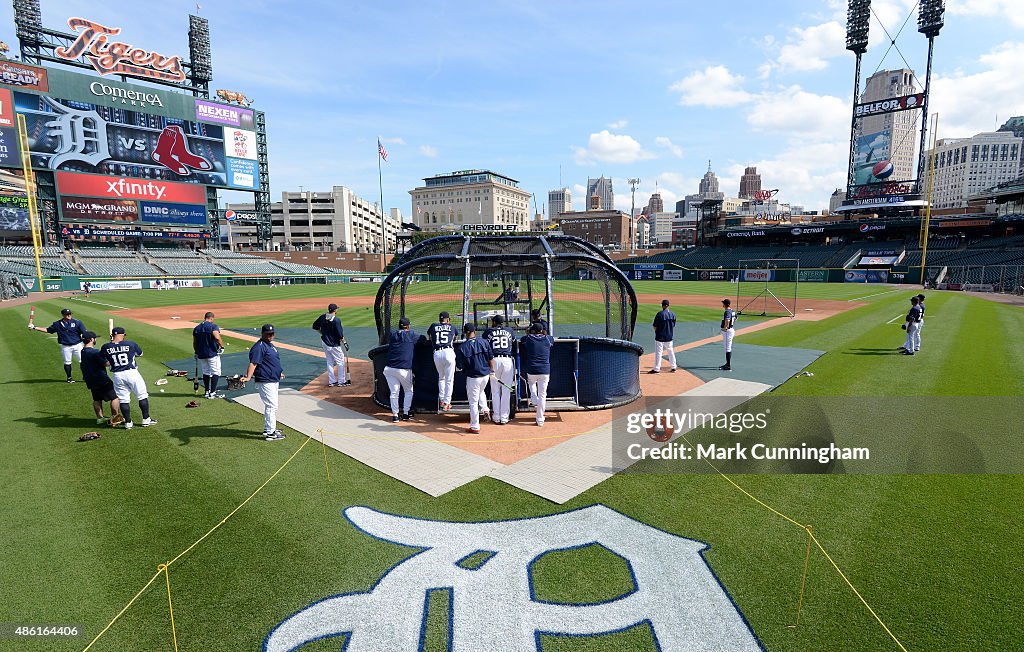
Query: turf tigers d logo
x=493, y=604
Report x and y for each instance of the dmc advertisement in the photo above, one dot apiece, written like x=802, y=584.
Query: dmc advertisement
x=872, y=150
x=154, y=213
x=82, y=137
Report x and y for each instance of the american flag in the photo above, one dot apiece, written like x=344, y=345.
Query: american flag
x=383, y=152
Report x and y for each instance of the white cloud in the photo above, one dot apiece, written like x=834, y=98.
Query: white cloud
x=579, y=194
x=665, y=143
x=810, y=48
x=714, y=86
x=967, y=103
x=607, y=147
x=618, y=124
x=428, y=151
x=795, y=112
x=1010, y=9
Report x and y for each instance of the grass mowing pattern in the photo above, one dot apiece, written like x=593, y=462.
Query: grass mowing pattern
x=936, y=556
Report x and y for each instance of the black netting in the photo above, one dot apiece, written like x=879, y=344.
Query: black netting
x=507, y=245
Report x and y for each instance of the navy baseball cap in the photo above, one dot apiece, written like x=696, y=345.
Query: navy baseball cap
x=404, y=321
x=267, y=328
x=664, y=302
x=444, y=315
x=118, y=330
x=498, y=319
x=66, y=311
x=88, y=335
x=536, y=328
x=921, y=297
x=726, y=302
x=332, y=307
x=469, y=328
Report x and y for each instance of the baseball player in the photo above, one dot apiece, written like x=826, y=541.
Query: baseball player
x=912, y=324
x=70, y=333
x=120, y=356
x=94, y=373
x=501, y=340
x=441, y=335
x=265, y=369
x=535, y=318
x=208, y=346
x=728, y=332
x=535, y=358
x=664, y=330
x=476, y=361
x=332, y=336
x=920, y=324
x=398, y=367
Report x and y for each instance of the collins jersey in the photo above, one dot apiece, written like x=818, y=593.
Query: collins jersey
x=121, y=355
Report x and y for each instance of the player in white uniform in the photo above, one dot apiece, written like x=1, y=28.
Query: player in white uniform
x=501, y=340
x=442, y=337
x=70, y=333
x=120, y=355
x=728, y=332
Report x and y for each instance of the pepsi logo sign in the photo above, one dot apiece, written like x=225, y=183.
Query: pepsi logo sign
x=230, y=215
x=883, y=170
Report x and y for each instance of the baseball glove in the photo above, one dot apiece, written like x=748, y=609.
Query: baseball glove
x=117, y=420
x=235, y=382
x=904, y=327
x=89, y=436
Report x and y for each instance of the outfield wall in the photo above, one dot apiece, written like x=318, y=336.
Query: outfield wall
x=673, y=272
x=65, y=283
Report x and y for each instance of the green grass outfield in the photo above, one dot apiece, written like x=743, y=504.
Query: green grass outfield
x=85, y=524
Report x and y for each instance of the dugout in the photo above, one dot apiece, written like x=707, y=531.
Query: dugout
x=588, y=302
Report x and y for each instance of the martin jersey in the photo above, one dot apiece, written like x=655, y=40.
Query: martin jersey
x=728, y=319
x=501, y=340
x=121, y=355
x=441, y=336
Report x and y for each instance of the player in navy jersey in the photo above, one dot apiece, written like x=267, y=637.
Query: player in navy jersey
x=265, y=369
x=70, y=332
x=535, y=360
x=728, y=332
x=441, y=336
x=912, y=324
x=121, y=357
x=398, y=367
x=208, y=346
x=475, y=359
x=664, y=332
x=94, y=373
x=501, y=340
x=332, y=336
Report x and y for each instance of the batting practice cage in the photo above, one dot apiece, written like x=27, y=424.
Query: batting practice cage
x=587, y=301
x=767, y=287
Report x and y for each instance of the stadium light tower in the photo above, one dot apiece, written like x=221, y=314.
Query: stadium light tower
x=930, y=21
x=858, y=23
x=632, y=215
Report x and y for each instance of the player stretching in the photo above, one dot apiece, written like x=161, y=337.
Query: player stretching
x=398, y=367
x=475, y=359
x=208, y=346
x=332, y=335
x=664, y=331
x=501, y=340
x=912, y=324
x=70, y=333
x=535, y=354
x=728, y=332
x=120, y=355
x=442, y=337
x=94, y=373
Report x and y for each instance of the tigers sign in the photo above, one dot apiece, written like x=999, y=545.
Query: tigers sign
x=111, y=57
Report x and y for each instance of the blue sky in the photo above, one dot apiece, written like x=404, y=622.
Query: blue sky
x=530, y=88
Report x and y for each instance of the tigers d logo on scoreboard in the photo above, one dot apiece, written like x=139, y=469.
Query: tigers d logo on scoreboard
x=494, y=604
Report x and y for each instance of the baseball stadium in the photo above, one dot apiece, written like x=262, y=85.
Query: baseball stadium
x=823, y=489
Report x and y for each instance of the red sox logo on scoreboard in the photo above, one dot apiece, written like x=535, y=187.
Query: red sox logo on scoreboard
x=115, y=57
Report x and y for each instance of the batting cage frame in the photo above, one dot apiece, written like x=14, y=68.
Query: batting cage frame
x=587, y=303
x=771, y=285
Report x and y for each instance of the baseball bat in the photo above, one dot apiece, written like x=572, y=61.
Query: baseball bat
x=195, y=378
x=110, y=328
x=32, y=316
x=348, y=365
x=508, y=387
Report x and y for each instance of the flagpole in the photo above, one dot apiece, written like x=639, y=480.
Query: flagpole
x=383, y=230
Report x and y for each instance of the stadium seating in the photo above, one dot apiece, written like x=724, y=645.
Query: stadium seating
x=251, y=265
x=190, y=268
x=119, y=268
x=105, y=252
x=171, y=253
x=298, y=268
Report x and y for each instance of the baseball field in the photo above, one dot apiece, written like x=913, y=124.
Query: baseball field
x=918, y=553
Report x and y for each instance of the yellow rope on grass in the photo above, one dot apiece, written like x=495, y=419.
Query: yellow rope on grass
x=162, y=569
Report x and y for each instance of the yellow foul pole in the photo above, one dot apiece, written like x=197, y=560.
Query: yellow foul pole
x=931, y=189
x=30, y=189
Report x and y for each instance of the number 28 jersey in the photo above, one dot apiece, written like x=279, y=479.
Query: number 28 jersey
x=501, y=340
x=121, y=355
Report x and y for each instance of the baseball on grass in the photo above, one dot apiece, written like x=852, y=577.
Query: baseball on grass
x=161, y=391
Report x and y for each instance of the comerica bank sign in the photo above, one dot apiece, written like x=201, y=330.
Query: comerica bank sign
x=125, y=96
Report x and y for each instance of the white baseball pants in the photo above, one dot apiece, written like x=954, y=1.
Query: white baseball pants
x=477, y=399
x=335, y=357
x=727, y=336
x=399, y=379
x=129, y=382
x=268, y=394
x=501, y=397
x=210, y=366
x=73, y=350
x=539, y=393
x=913, y=336
x=664, y=348
x=444, y=361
